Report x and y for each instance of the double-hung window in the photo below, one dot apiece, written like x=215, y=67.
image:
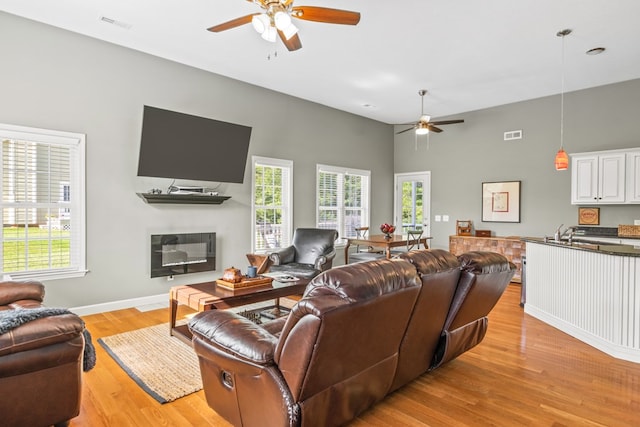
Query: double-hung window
x=342, y=199
x=43, y=203
x=271, y=210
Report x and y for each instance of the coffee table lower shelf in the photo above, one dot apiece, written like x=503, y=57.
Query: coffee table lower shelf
x=210, y=296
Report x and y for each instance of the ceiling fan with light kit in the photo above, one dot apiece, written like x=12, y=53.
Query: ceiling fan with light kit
x=276, y=20
x=423, y=126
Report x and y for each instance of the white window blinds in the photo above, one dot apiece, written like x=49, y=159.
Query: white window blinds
x=342, y=199
x=43, y=213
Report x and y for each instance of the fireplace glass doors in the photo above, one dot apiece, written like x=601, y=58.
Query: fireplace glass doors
x=173, y=254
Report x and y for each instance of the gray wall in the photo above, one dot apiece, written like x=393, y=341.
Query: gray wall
x=54, y=79
x=465, y=155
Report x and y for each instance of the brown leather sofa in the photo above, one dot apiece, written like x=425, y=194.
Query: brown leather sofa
x=40, y=362
x=359, y=332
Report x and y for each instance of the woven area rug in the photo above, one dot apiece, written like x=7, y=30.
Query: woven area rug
x=161, y=365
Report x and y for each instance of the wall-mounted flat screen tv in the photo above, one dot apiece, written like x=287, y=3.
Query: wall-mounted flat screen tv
x=182, y=146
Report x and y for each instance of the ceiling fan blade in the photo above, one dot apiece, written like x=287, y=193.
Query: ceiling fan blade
x=447, y=122
x=324, y=14
x=406, y=130
x=232, y=24
x=432, y=128
x=293, y=43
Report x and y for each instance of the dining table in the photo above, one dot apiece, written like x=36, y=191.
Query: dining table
x=383, y=241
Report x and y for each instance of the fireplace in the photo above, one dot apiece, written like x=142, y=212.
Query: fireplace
x=173, y=254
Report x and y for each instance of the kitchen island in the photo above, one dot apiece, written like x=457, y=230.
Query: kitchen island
x=589, y=290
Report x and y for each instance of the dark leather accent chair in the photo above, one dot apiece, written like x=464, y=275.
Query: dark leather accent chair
x=484, y=277
x=40, y=362
x=311, y=252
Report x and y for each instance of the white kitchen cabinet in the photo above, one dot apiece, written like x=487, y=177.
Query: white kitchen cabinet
x=598, y=178
x=633, y=177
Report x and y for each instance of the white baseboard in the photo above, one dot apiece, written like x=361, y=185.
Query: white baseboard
x=119, y=305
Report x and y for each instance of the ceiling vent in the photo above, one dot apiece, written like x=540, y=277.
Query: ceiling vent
x=115, y=22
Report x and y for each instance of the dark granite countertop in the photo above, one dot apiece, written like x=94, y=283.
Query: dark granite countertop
x=585, y=245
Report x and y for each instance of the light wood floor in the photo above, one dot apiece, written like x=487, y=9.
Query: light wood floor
x=523, y=373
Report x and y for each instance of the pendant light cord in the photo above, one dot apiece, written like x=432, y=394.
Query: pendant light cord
x=562, y=34
x=562, y=98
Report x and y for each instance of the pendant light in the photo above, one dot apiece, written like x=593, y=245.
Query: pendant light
x=562, y=159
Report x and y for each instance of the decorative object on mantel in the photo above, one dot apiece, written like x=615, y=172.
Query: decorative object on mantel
x=387, y=229
x=588, y=216
x=501, y=201
x=463, y=227
x=562, y=160
x=483, y=233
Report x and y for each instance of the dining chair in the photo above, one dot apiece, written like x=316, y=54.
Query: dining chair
x=413, y=241
x=364, y=254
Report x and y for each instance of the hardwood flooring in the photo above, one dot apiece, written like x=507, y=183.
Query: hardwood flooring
x=524, y=373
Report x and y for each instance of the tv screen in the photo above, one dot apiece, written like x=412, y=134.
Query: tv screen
x=181, y=146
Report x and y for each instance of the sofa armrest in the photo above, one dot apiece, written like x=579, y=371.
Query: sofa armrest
x=235, y=335
x=283, y=256
x=324, y=259
x=16, y=291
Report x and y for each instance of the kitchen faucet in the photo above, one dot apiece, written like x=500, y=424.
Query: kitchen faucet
x=568, y=232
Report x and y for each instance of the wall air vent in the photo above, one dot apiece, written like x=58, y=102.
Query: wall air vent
x=115, y=22
x=513, y=134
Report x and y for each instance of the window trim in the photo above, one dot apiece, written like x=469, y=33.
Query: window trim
x=287, y=198
x=366, y=217
x=71, y=139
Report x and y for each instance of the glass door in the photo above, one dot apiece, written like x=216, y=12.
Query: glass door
x=413, y=201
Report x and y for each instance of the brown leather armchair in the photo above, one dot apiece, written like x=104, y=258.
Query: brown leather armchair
x=40, y=361
x=311, y=252
x=335, y=357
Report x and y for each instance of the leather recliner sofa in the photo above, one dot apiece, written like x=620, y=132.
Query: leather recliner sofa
x=359, y=332
x=40, y=362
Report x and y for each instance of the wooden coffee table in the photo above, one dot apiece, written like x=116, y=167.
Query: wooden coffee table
x=209, y=296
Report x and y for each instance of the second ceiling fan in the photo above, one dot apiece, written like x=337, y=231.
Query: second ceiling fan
x=276, y=20
x=423, y=126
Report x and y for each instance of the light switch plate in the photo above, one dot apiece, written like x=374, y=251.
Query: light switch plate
x=438, y=218
x=445, y=218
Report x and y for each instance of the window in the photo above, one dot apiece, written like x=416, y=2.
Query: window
x=43, y=203
x=271, y=210
x=342, y=199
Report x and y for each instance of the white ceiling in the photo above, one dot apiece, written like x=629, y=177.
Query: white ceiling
x=469, y=54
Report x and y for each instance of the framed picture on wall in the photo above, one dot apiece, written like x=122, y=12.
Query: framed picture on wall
x=501, y=201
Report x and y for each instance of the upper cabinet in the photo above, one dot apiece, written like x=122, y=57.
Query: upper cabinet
x=605, y=177
x=633, y=177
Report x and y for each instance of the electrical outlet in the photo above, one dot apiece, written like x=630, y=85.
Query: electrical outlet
x=169, y=278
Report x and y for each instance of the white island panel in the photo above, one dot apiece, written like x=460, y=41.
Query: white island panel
x=590, y=295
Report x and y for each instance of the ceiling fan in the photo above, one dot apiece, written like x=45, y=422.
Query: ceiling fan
x=423, y=126
x=276, y=20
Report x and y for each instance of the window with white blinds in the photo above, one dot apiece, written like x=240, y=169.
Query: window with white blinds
x=271, y=210
x=342, y=199
x=43, y=203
